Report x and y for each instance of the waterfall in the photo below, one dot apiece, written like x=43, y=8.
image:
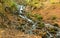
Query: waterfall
x=33, y=27
x=20, y=9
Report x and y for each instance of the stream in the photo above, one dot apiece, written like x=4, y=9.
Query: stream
x=21, y=8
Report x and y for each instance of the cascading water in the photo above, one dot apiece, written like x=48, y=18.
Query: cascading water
x=21, y=8
x=34, y=24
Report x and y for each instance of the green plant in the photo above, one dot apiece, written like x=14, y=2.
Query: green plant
x=53, y=30
x=38, y=17
x=41, y=25
x=34, y=3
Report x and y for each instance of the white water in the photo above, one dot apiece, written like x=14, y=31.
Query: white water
x=21, y=8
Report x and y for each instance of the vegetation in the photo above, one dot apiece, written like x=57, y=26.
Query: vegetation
x=55, y=24
x=38, y=17
x=53, y=30
x=10, y=20
x=53, y=17
x=34, y=3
